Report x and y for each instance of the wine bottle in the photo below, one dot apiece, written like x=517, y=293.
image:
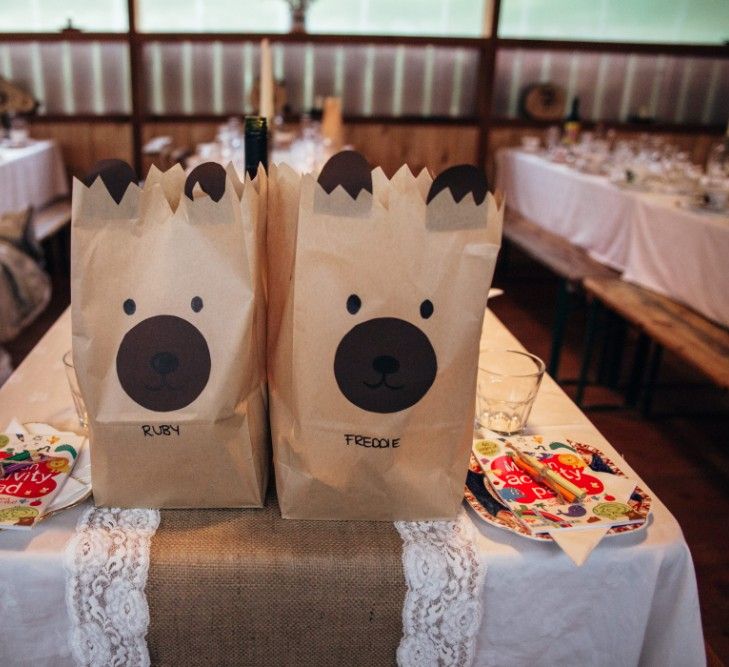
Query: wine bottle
x=572, y=123
x=256, y=144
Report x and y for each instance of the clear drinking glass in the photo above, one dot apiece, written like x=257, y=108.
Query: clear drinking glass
x=508, y=381
x=78, y=401
x=19, y=132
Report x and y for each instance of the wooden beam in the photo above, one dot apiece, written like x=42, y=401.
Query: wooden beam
x=313, y=38
x=701, y=50
x=71, y=36
x=81, y=118
x=137, y=86
x=486, y=77
x=353, y=120
x=618, y=125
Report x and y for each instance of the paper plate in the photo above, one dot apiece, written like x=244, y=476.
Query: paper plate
x=484, y=502
x=78, y=485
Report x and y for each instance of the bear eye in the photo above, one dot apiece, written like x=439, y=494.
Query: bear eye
x=426, y=309
x=353, y=303
x=196, y=304
x=130, y=307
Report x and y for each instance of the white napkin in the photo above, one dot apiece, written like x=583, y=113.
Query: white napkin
x=578, y=544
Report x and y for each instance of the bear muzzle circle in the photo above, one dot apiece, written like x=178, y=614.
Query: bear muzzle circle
x=385, y=365
x=163, y=363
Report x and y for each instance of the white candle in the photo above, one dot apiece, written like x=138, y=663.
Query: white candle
x=265, y=105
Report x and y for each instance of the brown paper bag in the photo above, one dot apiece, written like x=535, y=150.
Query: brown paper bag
x=372, y=374
x=167, y=336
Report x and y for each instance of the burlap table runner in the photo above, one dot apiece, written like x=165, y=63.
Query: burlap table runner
x=245, y=587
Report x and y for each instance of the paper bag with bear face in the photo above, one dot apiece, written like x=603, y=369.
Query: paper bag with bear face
x=165, y=306
x=372, y=378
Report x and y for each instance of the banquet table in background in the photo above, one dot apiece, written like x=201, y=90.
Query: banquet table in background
x=655, y=240
x=633, y=602
x=33, y=175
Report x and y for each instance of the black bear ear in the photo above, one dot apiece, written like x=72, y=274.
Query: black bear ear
x=348, y=169
x=460, y=180
x=115, y=174
x=210, y=176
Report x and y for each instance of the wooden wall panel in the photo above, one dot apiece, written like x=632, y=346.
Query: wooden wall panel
x=433, y=146
x=84, y=144
x=383, y=144
x=386, y=145
x=184, y=135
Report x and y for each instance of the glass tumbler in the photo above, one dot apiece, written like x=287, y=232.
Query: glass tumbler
x=508, y=381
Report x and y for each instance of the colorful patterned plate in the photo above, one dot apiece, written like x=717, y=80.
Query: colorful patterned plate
x=483, y=501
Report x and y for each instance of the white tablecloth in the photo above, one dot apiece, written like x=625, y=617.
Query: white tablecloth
x=633, y=602
x=32, y=575
x=654, y=239
x=682, y=254
x=31, y=176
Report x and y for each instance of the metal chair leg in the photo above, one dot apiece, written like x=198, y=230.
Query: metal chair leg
x=592, y=320
x=605, y=358
x=562, y=311
x=653, y=365
x=616, y=356
x=637, y=370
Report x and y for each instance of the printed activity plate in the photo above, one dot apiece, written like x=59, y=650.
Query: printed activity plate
x=31, y=493
x=484, y=501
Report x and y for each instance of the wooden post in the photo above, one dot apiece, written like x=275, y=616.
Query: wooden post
x=135, y=45
x=486, y=76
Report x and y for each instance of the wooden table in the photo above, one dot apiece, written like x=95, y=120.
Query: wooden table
x=634, y=600
x=33, y=175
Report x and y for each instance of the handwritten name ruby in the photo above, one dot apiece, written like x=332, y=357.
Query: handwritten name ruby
x=152, y=430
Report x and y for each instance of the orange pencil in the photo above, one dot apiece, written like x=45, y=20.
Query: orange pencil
x=543, y=473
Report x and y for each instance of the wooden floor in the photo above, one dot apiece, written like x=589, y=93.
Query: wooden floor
x=685, y=460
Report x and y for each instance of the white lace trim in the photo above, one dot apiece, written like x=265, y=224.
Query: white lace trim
x=444, y=575
x=107, y=562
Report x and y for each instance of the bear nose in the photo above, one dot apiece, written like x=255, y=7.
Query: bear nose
x=385, y=364
x=165, y=362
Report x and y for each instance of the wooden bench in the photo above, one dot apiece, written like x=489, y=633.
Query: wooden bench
x=667, y=324
x=51, y=219
x=569, y=262
x=49, y=224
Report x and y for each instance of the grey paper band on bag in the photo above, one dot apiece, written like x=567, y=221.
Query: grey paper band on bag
x=346, y=172
x=467, y=186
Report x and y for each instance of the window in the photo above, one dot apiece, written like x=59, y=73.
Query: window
x=212, y=16
x=679, y=21
x=52, y=15
x=463, y=18
x=378, y=17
